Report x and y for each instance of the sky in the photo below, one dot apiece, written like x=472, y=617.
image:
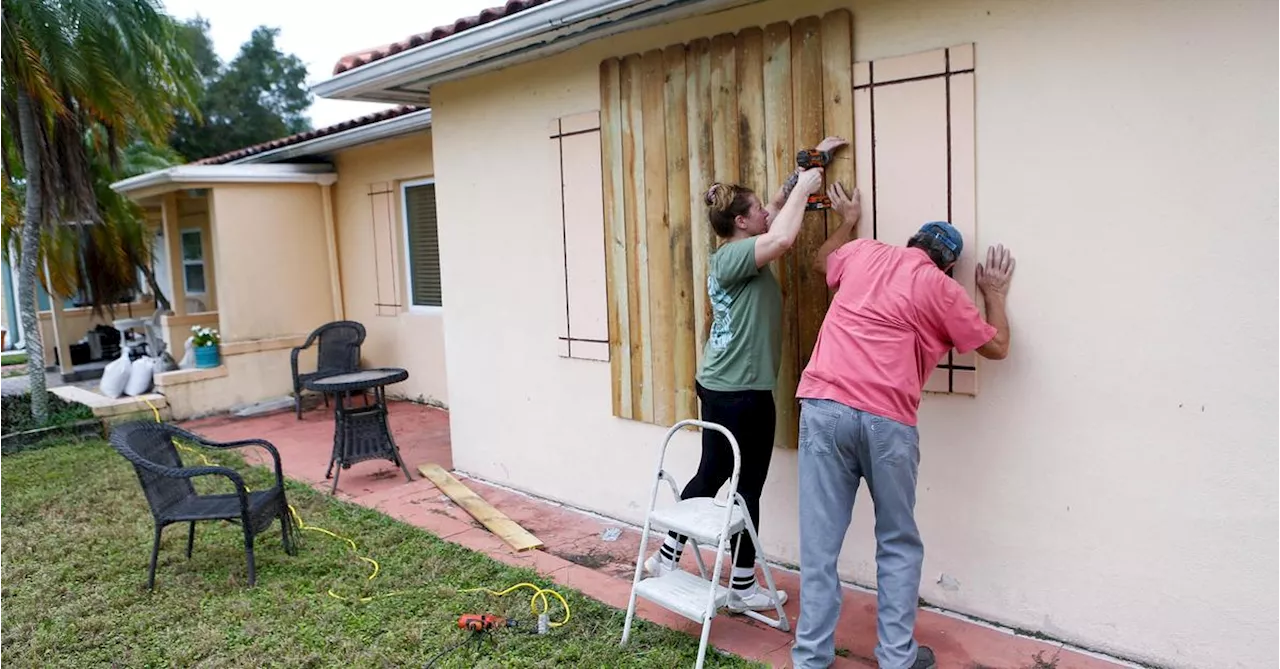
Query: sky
x=322, y=32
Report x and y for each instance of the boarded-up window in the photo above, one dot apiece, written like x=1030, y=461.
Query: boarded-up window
x=584, y=331
x=422, y=244
x=915, y=163
x=733, y=108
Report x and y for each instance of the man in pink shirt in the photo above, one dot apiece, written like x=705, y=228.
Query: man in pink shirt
x=894, y=315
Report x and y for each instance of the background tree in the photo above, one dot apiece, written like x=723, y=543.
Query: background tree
x=79, y=79
x=259, y=96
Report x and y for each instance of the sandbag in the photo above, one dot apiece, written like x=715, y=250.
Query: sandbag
x=140, y=374
x=189, y=355
x=116, y=375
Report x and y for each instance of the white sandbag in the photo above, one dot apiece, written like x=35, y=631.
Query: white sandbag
x=140, y=374
x=189, y=357
x=116, y=375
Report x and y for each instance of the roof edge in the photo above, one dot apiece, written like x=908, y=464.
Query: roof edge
x=365, y=134
x=187, y=176
x=527, y=34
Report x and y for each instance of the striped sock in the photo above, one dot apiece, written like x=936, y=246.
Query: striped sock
x=670, y=551
x=743, y=578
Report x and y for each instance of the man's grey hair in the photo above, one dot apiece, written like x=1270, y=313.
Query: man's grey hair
x=937, y=251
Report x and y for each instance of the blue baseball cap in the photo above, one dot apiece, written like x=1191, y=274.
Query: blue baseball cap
x=945, y=233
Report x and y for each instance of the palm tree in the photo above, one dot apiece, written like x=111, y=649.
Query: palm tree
x=79, y=78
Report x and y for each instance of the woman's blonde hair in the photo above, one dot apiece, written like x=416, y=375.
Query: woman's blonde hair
x=725, y=203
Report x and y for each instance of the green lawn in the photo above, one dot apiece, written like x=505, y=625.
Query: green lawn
x=75, y=541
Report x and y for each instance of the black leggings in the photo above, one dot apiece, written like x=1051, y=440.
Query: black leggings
x=750, y=416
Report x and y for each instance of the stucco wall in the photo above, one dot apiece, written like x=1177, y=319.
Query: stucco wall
x=272, y=272
x=396, y=336
x=1113, y=484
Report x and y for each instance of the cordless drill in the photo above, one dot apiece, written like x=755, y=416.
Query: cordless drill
x=483, y=622
x=807, y=159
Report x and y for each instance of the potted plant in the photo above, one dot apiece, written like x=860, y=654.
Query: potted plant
x=206, y=340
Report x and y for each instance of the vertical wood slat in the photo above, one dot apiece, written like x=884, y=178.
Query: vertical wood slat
x=749, y=66
x=615, y=257
x=806, y=80
x=660, y=339
x=678, y=197
x=837, y=99
x=701, y=174
x=637, y=239
x=779, y=163
x=724, y=108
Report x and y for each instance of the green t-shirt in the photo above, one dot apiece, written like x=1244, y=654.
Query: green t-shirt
x=745, y=345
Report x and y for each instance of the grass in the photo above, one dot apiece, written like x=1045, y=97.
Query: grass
x=15, y=413
x=75, y=541
x=13, y=358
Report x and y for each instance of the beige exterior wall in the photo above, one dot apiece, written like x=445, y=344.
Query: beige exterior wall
x=250, y=374
x=1113, y=484
x=372, y=258
x=271, y=258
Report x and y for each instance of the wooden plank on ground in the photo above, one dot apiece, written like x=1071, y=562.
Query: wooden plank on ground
x=637, y=238
x=806, y=80
x=497, y=522
x=676, y=93
x=701, y=175
x=661, y=331
x=779, y=162
x=615, y=256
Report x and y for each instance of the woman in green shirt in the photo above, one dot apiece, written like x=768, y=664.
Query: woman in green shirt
x=740, y=362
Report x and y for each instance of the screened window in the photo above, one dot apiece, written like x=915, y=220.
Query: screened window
x=422, y=244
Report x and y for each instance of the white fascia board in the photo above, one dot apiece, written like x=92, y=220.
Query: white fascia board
x=185, y=176
x=393, y=127
x=527, y=35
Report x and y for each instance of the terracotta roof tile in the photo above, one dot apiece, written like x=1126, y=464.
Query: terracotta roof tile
x=247, y=151
x=361, y=58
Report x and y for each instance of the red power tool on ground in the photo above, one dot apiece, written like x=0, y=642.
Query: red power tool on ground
x=810, y=158
x=483, y=622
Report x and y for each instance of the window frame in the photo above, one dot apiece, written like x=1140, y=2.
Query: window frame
x=408, y=257
x=186, y=289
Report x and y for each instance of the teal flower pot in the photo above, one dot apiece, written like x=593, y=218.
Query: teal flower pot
x=207, y=356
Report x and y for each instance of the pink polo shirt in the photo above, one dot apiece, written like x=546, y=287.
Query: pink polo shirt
x=894, y=316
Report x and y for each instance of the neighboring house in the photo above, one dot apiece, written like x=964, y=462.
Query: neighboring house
x=1111, y=484
x=331, y=224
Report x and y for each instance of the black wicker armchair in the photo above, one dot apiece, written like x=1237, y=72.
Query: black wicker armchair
x=339, y=352
x=166, y=482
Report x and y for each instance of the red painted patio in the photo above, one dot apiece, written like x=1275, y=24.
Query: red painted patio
x=576, y=556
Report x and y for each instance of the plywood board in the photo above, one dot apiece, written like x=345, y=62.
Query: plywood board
x=701, y=175
x=496, y=521
x=806, y=81
x=633, y=178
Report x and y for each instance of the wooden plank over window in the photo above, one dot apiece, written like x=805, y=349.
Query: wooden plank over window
x=732, y=108
x=383, y=231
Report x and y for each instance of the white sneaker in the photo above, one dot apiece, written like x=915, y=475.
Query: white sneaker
x=754, y=599
x=655, y=566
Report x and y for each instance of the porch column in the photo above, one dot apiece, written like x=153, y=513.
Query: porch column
x=60, y=341
x=173, y=240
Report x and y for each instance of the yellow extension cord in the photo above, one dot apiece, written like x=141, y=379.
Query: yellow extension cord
x=539, y=594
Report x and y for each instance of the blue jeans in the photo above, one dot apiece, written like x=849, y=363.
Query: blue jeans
x=839, y=446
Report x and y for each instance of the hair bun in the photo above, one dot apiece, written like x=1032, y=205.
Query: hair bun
x=710, y=197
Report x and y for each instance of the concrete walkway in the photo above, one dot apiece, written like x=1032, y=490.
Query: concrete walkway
x=577, y=556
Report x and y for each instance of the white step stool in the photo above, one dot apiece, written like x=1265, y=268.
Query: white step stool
x=704, y=520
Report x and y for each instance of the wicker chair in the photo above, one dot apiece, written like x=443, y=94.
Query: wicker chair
x=339, y=352
x=166, y=482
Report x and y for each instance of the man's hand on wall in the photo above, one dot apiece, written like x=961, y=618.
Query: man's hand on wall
x=993, y=277
x=849, y=206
